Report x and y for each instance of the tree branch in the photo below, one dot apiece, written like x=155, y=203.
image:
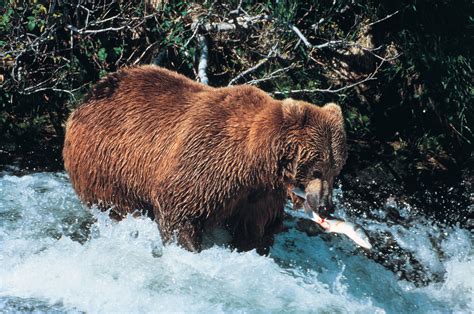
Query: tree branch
x=202, y=67
x=384, y=18
x=232, y=24
x=301, y=36
x=70, y=92
x=94, y=31
x=370, y=77
x=270, y=76
x=254, y=68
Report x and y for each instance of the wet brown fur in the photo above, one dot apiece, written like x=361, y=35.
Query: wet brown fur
x=197, y=157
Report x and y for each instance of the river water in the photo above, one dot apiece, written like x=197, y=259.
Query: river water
x=58, y=256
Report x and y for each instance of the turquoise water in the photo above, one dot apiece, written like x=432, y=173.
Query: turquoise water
x=57, y=256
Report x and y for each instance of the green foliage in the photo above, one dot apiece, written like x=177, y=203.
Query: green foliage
x=431, y=84
x=101, y=54
x=51, y=53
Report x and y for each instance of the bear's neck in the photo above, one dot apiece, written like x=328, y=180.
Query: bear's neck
x=266, y=139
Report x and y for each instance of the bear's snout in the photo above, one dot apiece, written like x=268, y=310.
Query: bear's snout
x=319, y=197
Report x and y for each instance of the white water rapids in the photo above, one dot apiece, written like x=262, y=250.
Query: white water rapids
x=58, y=256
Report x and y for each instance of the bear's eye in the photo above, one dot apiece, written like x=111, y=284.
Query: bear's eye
x=317, y=174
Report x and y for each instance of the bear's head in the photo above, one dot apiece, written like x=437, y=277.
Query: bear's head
x=315, y=151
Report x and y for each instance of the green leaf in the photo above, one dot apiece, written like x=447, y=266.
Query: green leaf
x=31, y=25
x=5, y=19
x=118, y=50
x=102, y=54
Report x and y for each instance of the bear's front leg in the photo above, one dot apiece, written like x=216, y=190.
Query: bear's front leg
x=248, y=236
x=190, y=236
x=263, y=247
x=257, y=219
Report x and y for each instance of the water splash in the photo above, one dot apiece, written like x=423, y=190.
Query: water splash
x=56, y=255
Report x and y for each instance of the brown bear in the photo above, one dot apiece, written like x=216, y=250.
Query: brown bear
x=197, y=157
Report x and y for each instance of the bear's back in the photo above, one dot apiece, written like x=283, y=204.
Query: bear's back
x=140, y=127
x=127, y=130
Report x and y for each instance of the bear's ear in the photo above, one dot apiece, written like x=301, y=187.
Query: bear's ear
x=295, y=114
x=334, y=110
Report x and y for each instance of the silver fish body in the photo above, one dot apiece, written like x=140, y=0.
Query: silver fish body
x=353, y=231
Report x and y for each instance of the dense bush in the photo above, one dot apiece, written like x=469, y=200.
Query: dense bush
x=401, y=70
x=52, y=51
x=426, y=97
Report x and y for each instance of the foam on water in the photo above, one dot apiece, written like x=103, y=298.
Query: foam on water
x=56, y=255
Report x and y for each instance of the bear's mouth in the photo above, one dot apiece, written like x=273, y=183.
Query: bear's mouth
x=323, y=211
x=299, y=192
